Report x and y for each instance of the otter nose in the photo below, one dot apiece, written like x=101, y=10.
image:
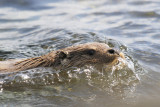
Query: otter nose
x=121, y=55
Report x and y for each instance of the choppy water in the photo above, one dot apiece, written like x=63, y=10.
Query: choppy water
x=30, y=28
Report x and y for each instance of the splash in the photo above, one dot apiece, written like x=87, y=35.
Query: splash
x=1, y=88
x=119, y=79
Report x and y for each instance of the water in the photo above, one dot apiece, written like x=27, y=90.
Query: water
x=30, y=28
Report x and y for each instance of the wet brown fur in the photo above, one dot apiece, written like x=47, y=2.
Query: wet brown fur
x=63, y=58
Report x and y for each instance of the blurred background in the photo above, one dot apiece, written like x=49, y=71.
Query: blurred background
x=30, y=28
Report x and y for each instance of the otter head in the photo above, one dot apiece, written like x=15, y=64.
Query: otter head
x=90, y=53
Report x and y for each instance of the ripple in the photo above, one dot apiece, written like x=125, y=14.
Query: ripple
x=18, y=20
x=148, y=14
x=25, y=4
x=140, y=2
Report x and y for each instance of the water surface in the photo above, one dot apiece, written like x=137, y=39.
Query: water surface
x=30, y=28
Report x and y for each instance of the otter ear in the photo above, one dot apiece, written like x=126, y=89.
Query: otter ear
x=62, y=55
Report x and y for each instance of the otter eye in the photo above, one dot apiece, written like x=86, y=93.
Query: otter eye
x=91, y=52
x=62, y=55
x=111, y=51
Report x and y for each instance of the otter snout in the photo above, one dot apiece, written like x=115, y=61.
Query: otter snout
x=122, y=55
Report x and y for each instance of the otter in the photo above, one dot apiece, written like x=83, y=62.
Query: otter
x=74, y=56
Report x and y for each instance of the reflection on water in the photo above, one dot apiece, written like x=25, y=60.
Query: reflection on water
x=30, y=28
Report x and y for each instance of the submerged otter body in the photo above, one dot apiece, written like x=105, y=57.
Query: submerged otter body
x=79, y=55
